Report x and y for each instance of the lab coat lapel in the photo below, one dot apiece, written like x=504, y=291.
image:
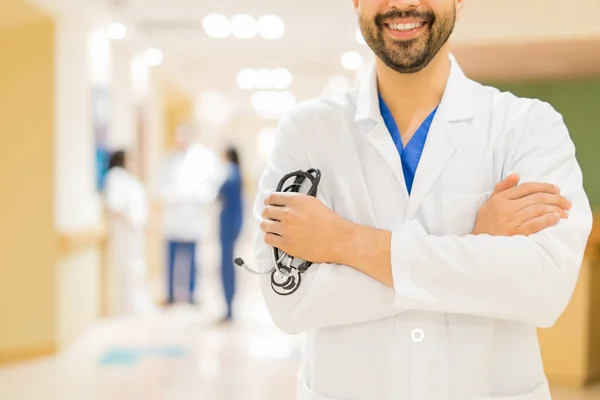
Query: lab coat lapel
x=369, y=120
x=456, y=105
x=438, y=150
x=381, y=139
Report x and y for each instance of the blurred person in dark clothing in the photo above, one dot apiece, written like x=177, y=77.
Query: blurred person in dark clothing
x=231, y=218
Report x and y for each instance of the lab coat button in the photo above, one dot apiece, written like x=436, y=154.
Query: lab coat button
x=417, y=335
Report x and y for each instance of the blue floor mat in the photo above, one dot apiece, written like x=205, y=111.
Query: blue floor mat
x=129, y=356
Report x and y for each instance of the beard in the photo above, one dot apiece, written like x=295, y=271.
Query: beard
x=413, y=55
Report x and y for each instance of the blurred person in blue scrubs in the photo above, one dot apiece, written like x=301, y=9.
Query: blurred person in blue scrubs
x=188, y=184
x=231, y=219
x=127, y=217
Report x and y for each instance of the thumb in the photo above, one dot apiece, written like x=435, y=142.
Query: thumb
x=509, y=182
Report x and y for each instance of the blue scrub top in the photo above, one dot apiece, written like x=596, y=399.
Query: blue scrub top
x=231, y=197
x=411, y=154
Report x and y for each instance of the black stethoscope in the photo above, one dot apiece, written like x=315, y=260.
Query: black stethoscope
x=285, y=277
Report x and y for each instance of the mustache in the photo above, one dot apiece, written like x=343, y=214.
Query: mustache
x=427, y=16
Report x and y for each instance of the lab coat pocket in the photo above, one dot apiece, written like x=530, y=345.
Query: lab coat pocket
x=305, y=393
x=542, y=392
x=460, y=212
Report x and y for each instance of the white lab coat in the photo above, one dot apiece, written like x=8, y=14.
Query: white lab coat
x=189, y=184
x=127, y=204
x=460, y=323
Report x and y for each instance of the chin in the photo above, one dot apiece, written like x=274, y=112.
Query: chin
x=407, y=68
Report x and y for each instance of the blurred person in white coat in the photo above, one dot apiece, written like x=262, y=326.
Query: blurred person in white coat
x=189, y=184
x=450, y=223
x=127, y=212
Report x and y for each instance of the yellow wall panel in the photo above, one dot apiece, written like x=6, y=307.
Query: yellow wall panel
x=28, y=244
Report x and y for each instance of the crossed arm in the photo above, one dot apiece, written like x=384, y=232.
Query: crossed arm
x=375, y=273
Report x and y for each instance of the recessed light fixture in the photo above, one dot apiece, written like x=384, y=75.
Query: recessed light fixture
x=272, y=104
x=153, y=57
x=246, y=78
x=282, y=78
x=116, y=31
x=244, y=26
x=264, y=78
x=216, y=26
x=271, y=27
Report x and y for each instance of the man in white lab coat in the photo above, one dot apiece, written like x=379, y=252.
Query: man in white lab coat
x=427, y=283
x=189, y=183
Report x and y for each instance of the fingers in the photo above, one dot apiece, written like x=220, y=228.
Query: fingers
x=273, y=240
x=279, y=199
x=538, y=210
x=275, y=213
x=530, y=188
x=509, y=182
x=537, y=224
x=545, y=199
x=271, y=227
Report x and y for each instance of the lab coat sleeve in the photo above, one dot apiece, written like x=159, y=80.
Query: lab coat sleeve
x=329, y=294
x=521, y=278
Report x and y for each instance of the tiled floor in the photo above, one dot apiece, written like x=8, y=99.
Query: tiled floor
x=178, y=354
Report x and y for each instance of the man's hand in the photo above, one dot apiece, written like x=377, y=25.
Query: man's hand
x=521, y=209
x=303, y=227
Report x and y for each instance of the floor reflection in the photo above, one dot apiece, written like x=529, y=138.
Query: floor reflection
x=180, y=353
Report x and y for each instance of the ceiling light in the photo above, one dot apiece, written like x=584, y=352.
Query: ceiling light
x=359, y=37
x=246, y=78
x=153, y=57
x=116, y=31
x=281, y=78
x=271, y=27
x=244, y=26
x=264, y=79
x=216, y=26
x=351, y=60
x=272, y=104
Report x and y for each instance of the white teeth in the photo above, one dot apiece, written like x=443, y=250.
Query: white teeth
x=405, y=27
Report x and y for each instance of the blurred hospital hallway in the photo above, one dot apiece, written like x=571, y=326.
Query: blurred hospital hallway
x=181, y=354
x=178, y=354
x=133, y=133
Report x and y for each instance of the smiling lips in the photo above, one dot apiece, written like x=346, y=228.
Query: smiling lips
x=405, y=30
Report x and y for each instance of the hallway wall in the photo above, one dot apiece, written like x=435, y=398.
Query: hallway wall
x=28, y=249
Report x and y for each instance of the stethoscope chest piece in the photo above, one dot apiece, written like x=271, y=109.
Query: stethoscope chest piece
x=285, y=280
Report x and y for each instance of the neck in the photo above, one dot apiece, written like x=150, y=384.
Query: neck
x=412, y=93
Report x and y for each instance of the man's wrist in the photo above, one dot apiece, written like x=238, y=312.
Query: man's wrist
x=346, y=246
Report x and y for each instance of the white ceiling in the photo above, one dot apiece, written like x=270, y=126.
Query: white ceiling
x=317, y=33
